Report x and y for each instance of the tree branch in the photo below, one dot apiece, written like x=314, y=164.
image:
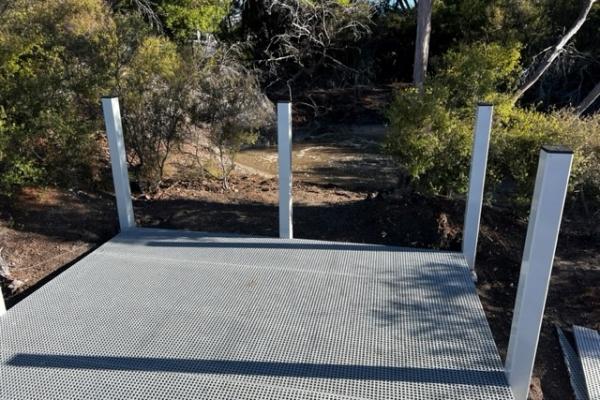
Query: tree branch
x=588, y=100
x=553, y=55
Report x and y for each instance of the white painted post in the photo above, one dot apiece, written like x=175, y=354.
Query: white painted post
x=542, y=234
x=118, y=160
x=479, y=156
x=2, y=304
x=284, y=146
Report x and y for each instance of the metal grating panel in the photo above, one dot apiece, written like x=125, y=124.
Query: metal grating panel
x=156, y=314
x=588, y=346
x=573, y=364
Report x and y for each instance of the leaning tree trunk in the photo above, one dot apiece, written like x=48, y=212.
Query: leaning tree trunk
x=424, y=8
x=589, y=100
x=553, y=55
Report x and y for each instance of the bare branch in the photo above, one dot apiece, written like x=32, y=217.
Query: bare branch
x=589, y=100
x=314, y=31
x=556, y=51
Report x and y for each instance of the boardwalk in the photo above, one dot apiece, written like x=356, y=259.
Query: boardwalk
x=157, y=314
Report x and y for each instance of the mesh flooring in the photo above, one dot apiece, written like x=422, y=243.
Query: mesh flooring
x=157, y=314
x=588, y=346
x=573, y=364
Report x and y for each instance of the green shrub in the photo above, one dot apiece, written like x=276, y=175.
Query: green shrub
x=186, y=17
x=477, y=72
x=429, y=141
x=14, y=170
x=55, y=64
x=430, y=133
x=155, y=89
x=519, y=134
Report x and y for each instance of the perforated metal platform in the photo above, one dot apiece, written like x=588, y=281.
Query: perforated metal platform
x=573, y=363
x=588, y=346
x=156, y=314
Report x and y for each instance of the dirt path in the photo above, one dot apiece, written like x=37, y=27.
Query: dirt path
x=343, y=155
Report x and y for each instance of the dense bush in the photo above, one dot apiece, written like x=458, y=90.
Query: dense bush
x=155, y=89
x=431, y=132
x=184, y=18
x=57, y=58
x=516, y=140
x=54, y=66
x=429, y=141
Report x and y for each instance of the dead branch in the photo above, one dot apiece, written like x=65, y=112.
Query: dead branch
x=315, y=33
x=556, y=51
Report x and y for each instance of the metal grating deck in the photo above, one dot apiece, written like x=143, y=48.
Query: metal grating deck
x=588, y=345
x=156, y=314
x=573, y=364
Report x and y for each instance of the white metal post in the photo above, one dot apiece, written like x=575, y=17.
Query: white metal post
x=542, y=234
x=284, y=146
x=118, y=160
x=479, y=156
x=2, y=305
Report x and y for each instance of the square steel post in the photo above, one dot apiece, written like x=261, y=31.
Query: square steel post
x=479, y=156
x=547, y=205
x=284, y=146
x=118, y=161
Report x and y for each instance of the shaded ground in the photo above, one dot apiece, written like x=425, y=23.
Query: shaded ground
x=340, y=155
x=42, y=229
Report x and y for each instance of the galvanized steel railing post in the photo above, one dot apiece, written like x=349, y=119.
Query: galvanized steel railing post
x=479, y=156
x=118, y=161
x=284, y=146
x=542, y=234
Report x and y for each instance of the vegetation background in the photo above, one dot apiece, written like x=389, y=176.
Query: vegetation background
x=180, y=64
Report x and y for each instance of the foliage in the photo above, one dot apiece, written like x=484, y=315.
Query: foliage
x=131, y=31
x=54, y=60
x=389, y=54
x=429, y=141
x=584, y=135
x=477, y=72
x=517, y=136
x=186, y=17
x=431, y=134
x=14, y=171
x=156, y=98
x=58, y=57
x=229, y=100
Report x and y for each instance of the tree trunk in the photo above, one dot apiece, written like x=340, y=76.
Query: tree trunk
x=589, y=100
x=553, y=55
x=424, y=9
